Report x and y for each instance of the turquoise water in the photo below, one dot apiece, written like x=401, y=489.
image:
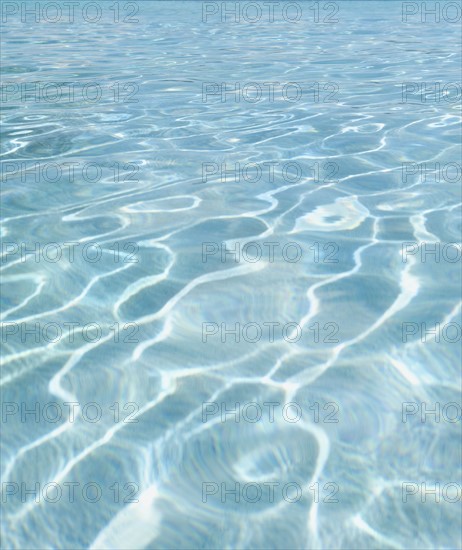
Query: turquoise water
x=334, y=177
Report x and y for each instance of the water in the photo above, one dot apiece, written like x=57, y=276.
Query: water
x=347, y=217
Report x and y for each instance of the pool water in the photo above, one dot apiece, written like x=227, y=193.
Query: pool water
x=261, y=217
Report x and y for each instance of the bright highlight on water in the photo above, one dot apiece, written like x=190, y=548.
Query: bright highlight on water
x=231, y=269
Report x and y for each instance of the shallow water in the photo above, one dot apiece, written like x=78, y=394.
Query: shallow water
x=340, y=184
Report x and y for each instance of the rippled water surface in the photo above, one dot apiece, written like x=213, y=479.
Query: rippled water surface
x=166, y=363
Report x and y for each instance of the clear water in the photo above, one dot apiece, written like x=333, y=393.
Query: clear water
x=361, y=373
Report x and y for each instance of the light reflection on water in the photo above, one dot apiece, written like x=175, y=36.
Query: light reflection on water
x=154, y=186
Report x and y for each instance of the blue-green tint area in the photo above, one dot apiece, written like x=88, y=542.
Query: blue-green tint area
x=208, y=209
